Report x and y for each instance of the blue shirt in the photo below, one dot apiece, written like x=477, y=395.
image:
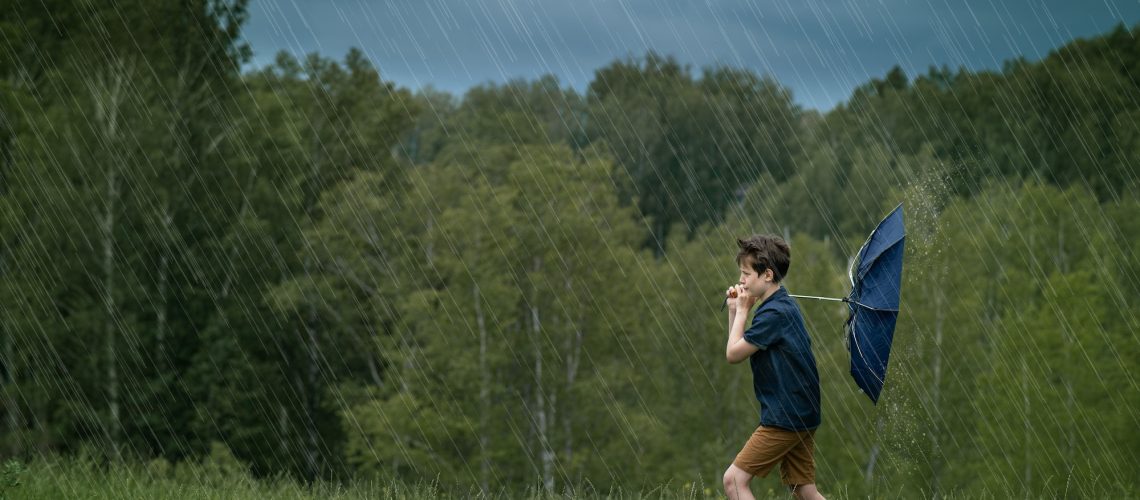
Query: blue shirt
x=783, y=370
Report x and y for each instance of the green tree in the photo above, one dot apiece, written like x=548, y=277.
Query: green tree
x=687, y=147
x=512, y=340
x=329, y=122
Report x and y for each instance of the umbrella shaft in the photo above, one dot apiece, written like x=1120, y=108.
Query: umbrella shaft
x=818, y=298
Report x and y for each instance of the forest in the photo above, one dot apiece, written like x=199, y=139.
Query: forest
x=306, y=271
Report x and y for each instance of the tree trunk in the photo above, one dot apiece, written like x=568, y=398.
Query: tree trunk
x=163, y=269
x=573, y=358
x=373, y=370
x=8, y=363
x=311, y=380
x=11, y=408
x=312, y=368
x=107, y=96
x=869, y=472
x=430, y=246
x=114, y=427
x=1028, y=474
x=484, y=397
x=283, y=431
x=1070, y=340
x=546, y=456
x=7, y=139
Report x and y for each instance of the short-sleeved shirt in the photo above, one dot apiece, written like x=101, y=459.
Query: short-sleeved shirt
x=784, y=376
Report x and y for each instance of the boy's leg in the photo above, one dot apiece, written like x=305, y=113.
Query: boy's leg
x=798, y=468
x=805, y=492
x=736, y=483
x=764, y=449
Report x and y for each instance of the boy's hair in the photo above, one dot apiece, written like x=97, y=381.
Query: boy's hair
x=765, y=251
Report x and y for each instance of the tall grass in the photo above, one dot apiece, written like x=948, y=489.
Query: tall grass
x=53, y=478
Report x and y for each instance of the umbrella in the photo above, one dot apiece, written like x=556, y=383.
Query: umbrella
x=876, y=278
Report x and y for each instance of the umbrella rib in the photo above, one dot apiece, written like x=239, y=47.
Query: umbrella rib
x=865, y=306
x=864, y=358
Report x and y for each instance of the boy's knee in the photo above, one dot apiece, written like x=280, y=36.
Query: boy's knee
x=734, y=479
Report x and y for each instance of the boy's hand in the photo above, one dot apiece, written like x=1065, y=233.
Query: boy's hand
x=738, y=295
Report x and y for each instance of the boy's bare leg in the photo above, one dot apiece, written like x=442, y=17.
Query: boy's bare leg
x=736, y=484
x=805, y=492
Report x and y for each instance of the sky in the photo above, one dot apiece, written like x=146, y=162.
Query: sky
x=820, y=49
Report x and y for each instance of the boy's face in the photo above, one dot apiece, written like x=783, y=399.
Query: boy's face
x=756, y=284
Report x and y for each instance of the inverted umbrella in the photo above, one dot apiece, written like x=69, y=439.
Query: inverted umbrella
x=876, y=279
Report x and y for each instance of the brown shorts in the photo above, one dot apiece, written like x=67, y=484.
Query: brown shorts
x=769, y=446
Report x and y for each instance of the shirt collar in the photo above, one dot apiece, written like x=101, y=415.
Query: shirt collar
x=777, y=294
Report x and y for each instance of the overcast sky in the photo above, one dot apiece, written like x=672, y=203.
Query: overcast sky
x=821, y=49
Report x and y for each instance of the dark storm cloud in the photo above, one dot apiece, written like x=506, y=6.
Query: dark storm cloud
x=820, y=49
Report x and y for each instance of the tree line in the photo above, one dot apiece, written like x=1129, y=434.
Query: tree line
x=314, y=271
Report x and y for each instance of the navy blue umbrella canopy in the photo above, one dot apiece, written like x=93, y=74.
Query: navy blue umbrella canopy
x=876, y=278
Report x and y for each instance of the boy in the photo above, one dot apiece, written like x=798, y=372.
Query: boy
x=783, y=372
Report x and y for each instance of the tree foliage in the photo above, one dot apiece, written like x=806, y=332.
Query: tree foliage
x=306, y=269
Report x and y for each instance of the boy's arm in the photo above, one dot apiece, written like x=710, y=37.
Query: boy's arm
x=737, y=349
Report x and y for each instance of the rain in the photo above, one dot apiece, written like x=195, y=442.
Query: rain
x=480, y=249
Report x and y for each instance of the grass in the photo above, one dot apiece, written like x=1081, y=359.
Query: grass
x=60, y=478
x=55, y=478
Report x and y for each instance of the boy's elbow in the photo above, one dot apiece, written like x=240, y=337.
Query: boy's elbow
x=739, y=352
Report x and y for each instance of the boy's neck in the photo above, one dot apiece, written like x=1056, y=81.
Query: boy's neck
x=771, y=291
